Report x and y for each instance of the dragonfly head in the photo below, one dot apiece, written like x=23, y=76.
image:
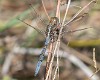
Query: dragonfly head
x=54, y=21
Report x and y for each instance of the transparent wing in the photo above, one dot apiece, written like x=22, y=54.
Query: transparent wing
x=76, y=22
x=33, y=15
x=79, y=18
x=84, y=9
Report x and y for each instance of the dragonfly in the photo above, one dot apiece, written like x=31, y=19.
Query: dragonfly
x=51, y=33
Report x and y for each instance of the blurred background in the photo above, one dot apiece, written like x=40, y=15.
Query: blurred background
x=20, y=45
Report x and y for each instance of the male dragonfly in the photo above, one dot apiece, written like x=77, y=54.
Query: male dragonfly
x=52, y=32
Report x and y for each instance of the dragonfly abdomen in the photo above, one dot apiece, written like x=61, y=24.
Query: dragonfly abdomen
x=41, y=58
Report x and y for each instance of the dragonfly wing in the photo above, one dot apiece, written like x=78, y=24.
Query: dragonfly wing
x=41, y=32
x=33, y=10
x=33, y=15
x=76, y=22
x=73, y=26
x=84, y=9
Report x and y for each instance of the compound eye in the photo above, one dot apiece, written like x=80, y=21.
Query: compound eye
x=53, y=21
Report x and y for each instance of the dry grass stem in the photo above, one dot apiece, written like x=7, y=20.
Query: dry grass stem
x=49, y=59
x=95, y=64
x=57, y=66
x=55, y=73
x=94, y=59
x=45, y=10
x=58, y=10
x=57, y=45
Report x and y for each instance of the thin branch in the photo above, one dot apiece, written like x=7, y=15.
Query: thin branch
x=58, y=10
x=69, y=1
x=49, y=58
x=57, y=67
x=94, y=59
x=31, y=26
x=57, y=45
x=45, y=10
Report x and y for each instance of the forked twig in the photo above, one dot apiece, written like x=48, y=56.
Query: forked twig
x=49, y=56
x=55, y=73
x=58, y=41
x=57, y=15
x=95, y=64
x=57, y=68
x=51, y=48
